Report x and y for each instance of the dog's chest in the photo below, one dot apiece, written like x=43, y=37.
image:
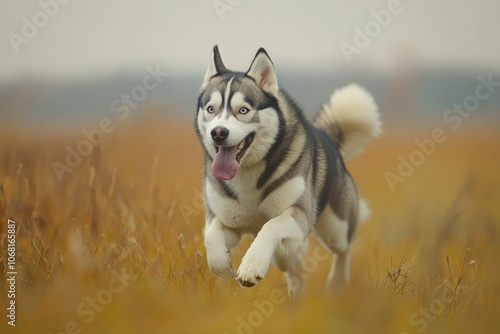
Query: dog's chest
x=243, y=214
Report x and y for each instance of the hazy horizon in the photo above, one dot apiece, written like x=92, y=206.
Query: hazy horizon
x=85, y=39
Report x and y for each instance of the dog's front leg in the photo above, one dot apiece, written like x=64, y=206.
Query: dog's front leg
x=219, y=239
x=257, y=259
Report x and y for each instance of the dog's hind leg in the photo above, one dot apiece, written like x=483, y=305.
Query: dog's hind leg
x=333, y=233
x=288, y=257
x=340, y=270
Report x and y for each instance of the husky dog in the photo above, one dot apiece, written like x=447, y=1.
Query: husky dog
x=272, y=173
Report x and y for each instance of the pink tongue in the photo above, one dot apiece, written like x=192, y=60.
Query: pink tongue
x=225, y=165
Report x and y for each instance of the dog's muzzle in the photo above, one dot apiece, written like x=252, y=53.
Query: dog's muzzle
x=227, y=158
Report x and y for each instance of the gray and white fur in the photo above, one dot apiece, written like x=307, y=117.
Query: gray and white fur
x=273, y=173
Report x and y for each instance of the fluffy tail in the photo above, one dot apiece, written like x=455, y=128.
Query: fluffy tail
x=350, y=119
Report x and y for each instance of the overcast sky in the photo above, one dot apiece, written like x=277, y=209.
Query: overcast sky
x=92, y=37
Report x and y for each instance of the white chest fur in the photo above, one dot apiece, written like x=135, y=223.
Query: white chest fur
x=250, y=212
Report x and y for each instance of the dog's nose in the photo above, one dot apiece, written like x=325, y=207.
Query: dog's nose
x=219, y=133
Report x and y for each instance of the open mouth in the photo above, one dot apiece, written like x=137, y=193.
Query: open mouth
x=242, y=146
x=227, y=158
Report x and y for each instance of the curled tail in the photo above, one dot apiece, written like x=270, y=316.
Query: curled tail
x=350, y=119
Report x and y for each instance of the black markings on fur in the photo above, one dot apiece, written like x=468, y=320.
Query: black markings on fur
x=219, y=65
x=227, y=191
x=274, y=155
x=344, y=197
x=249, y=101
x=255, y=118
x=289, y=174
x=222, y=188
x=315, y=158
x=209, y=214
x=338, y=190
x=198, y=132
x=331, y=155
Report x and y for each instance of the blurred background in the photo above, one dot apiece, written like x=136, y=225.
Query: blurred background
x=69, y=61
x=101, y=169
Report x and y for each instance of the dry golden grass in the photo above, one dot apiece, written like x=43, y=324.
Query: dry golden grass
x=426, y=261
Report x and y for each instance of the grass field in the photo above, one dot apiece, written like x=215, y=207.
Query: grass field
x=117, y=247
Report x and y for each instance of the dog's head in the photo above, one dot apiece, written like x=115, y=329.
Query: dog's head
x=237, y=118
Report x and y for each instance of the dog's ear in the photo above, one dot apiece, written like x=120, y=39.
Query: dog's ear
x=215, y=66
x=262, y=71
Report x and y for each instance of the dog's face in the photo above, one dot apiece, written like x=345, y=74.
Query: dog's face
x=238, y=118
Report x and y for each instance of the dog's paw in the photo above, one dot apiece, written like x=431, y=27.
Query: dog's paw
x=221, y=266
x=251, y=270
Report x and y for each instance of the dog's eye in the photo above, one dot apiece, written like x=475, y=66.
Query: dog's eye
x=244, y=110
x=210, y=109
